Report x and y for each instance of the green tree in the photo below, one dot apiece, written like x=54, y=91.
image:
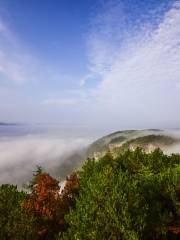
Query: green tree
x=134, y=196
x=14, y=223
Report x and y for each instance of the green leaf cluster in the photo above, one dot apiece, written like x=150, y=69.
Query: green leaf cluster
x=131, y=197
x=14, y=223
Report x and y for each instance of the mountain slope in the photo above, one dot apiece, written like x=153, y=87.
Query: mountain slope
x=122, y=140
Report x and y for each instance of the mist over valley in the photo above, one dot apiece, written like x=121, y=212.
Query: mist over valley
x=61, y=149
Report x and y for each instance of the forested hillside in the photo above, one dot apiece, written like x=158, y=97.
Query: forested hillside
x=133, y=196
x=148, y=140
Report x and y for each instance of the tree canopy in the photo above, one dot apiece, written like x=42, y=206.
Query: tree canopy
x=134, y=196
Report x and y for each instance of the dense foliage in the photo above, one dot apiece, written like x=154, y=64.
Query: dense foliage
x=48, y=204
x=14, y=223
x=40, y=213
x=134, y=196
x=154, y=140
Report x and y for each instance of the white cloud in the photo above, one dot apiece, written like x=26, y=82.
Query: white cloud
x=60, y=102
x=16, y=64
x=133, y=72
x=84, y=79
x=68, y=98
x=139, y=72
x=20, y=156
x=104, y=38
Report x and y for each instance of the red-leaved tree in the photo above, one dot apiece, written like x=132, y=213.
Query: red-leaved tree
x=48, y=205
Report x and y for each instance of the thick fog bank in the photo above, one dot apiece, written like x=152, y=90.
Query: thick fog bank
x=19, y=156
x=57, y=154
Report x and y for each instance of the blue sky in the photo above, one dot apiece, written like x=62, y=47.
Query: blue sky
x=54, y=32
x=111, y=63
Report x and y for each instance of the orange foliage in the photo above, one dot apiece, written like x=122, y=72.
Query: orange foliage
x=44, y=197
x=175, y=230
x=71, y=188
x=48, y=206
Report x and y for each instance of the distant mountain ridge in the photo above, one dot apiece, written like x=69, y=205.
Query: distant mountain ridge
x=8, y=124
x=130, y=139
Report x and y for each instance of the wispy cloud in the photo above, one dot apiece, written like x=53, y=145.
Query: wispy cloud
x=134, y=71
x=68, y=98
x=16, y=63
x=20, y=64
x=138, y=67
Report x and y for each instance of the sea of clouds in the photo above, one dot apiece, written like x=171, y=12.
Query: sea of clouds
x=21, y=154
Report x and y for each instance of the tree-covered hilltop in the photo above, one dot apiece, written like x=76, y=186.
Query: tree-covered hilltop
x=149, y=142
x=133, y=196
x=119, y=141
